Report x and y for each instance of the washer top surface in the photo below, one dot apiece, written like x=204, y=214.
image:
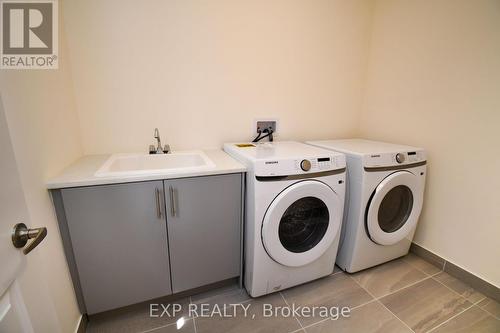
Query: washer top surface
x=285, y=158
x=278, y=150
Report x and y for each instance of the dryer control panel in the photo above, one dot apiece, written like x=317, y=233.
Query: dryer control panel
x=393, y=159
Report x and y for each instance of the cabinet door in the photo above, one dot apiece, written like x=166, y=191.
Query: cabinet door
x=119, y=239
x=203, y=219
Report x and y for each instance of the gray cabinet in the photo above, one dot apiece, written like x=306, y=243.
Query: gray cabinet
x=203, y=219
x=133, y=242
x=118, y=241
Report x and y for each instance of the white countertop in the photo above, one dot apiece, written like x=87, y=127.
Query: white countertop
x=82, y=172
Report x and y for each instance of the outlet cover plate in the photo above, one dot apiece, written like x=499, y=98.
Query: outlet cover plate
x=268, y=123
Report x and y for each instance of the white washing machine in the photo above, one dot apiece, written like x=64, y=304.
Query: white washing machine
x=294, y=207
x=384, y=195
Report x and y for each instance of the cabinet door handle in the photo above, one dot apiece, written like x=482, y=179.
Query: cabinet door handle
x=158, y=203
x=173, y=201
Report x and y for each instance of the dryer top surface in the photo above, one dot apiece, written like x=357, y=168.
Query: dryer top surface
x=363, y=147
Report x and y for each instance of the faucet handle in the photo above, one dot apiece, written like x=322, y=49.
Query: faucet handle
x=152, y=149
x=166, y=149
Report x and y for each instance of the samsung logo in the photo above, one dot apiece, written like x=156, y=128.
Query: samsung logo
x=374, y=155
x=272, y=162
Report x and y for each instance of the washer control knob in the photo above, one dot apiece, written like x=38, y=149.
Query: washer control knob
x=400, y=158
x=305, y=165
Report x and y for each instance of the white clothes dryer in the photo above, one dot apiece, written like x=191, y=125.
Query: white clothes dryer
x=384, y=196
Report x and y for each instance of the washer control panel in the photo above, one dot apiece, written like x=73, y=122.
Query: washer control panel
x=307, y=165
x=318, y=164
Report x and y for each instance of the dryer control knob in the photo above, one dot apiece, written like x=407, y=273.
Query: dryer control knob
x=400, y=158
x=305, y=165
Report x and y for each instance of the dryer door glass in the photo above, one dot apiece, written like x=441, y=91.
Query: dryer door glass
x=303, y=224
x=395, y=208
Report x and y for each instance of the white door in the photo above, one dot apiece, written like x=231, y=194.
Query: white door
x=13, y=315
x=394, y=208
x=301, y=223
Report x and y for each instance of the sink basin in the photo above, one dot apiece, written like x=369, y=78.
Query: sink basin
x=144, y=164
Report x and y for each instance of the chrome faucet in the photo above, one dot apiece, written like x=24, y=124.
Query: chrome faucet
x=159, y=149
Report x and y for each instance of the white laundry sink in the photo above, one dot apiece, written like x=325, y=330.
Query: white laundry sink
x=143, y=164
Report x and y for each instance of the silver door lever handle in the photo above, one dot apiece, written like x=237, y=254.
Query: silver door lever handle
x=21, y=234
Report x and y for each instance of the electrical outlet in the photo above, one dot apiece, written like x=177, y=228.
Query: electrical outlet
x=265, y=124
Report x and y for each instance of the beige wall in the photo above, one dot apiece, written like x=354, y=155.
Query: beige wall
x=434, y=81
x=202, y=71
x=42, y=120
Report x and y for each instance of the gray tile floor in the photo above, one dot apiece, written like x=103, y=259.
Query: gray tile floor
x=404, y=295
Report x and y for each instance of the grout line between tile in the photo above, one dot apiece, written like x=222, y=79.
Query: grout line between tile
x=163, y=326
x=228, y=292
x=194, y=325
x=312, y=324
x=421, y=270
x=353, y=308
x=447, y=320
x=383, y=305
x=284, y=300
x=452, y=289
x=370, y=301
x=395, y=316
x=497, y=318
x=485, y=310
x=435, y=274
x=153, y=329
x=245, y=301
x=191, y=302
x=395, y=291
x=477, y=302
x=222, y=293
x=298, y=330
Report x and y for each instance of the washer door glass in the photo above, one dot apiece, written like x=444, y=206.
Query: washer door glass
x=304, y=224
x=301, y=223
x=394, y=208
